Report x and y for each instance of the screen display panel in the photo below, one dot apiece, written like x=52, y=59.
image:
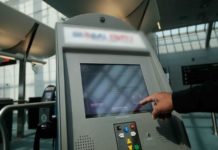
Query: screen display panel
x=113, y=89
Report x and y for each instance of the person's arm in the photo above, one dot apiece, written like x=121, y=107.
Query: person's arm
x=162, y=103
x=198, y=99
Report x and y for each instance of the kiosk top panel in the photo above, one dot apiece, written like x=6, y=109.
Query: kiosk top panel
x=82, y=38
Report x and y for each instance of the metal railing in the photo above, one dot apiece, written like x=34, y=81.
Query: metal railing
x=214, y=123
x=4, y=110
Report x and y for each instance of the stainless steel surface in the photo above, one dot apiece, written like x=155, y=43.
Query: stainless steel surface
x=21, y=95
x=214, y=123
x=72, y=123
x=3, y=111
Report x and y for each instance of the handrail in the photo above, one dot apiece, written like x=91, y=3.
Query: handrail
x=214, y=123
x=4, y=110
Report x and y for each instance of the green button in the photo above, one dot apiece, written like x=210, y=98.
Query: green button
x=136, y=147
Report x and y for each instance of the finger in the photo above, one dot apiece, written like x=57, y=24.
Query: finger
x=146, y=100
x=137, y=108
x=155, y=113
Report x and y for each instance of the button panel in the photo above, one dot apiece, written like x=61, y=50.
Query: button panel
x=127, y=136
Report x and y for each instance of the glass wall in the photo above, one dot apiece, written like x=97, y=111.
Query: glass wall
x=186, y=38
x=43, y=75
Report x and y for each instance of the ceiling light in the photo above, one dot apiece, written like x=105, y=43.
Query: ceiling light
x=158, y=25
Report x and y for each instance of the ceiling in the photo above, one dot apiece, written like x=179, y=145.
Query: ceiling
x=142, y=14
x=119, y=8
x=170, y=13
x=123, y=9
x=15, y=28
x=178, y=13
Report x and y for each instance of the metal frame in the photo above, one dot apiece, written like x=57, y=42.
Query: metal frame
x=214, y=123
x=3, y=111
x=22, y=79
x=208, y=36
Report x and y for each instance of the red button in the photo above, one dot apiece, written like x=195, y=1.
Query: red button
x=132, y=126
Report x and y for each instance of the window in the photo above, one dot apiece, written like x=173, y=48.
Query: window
x=186, y=38
x=35, y=82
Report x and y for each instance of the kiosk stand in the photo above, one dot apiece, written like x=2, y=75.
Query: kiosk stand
x=104, y=68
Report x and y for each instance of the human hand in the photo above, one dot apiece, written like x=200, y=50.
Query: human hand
x=163, y=104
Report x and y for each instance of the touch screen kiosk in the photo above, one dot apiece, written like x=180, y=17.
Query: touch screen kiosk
x=102, y=74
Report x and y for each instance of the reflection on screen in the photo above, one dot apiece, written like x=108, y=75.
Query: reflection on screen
x=48, y=95
x=110, y=89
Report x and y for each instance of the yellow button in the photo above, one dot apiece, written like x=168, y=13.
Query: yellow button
x=129, y=142
x=129, y=147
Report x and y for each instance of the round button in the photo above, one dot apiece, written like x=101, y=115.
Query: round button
x=126, y=130
x=132, y=126
x=136, y=147
x=119, y=128
x=44, y=118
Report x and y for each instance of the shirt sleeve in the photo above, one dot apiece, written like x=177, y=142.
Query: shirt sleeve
x=202, y=98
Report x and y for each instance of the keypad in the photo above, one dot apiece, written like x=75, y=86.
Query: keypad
x=127, y=136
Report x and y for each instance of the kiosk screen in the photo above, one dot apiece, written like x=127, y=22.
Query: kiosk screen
x=113, y=89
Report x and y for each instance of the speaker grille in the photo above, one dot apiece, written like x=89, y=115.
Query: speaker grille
x=84, y=143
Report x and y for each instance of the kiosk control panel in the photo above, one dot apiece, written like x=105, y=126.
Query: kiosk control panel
x=102, y=74
x=127, y=136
